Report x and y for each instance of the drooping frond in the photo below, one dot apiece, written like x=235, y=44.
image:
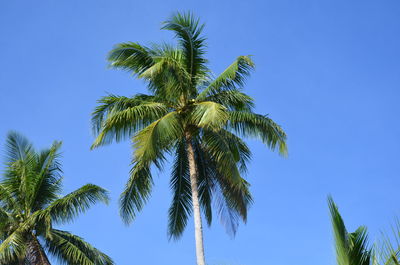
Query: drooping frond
x=136, y=193
x=112, y=104
x=151, y=143
x=70, y=249
x=131, y=57
x=70, y=206
x=181, y=206
x=218, y=149
x=249, y=124
x=232, y=77
x=206, y=173
x=125, y=123
x=188, y=31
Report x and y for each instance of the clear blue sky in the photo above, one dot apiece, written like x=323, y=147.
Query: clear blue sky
x=327, y=71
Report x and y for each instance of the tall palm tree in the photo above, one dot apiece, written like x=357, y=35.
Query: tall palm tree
x=194, y=117
x=30, y=203
x=351, y=248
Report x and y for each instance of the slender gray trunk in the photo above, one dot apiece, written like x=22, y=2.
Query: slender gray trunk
x=35, y=254
x=198, y=230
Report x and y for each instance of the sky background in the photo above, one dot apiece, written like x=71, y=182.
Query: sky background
x=327, y=71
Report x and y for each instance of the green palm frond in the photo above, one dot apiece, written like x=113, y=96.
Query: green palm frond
x=181, y=206
x=47, y=180
x=124, y=124
x=188, y=30
x=131, y=57
x=351, y=248
x=13, y=247
x=234, y=100
x=70, y=206
x=73, y=250
x=232, y=77
x=112, y=104
x=136, y=193
x=151, y=142
x=388, y=250
x=249, y=124
x=209, y=115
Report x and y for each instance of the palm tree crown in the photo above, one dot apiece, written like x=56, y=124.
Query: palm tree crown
x=30, y=203
x=191, y=115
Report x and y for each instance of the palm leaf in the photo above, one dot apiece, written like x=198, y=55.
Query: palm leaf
x=73, y=250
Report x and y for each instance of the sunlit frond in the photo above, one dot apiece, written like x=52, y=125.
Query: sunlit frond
x=249, y=124
x=151, y=143
x=232, y=77
x=209, y=115
x=70, y=206
x=125, y=123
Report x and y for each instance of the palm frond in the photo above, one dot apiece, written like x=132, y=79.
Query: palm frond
x=181, y=206
x=151, y=143
x=47, y=178
x=136, y=193
x=13, y=247
x=73, y=250
x=232, y=77
x=17, y=147
x=111, y=104
x=131, y=57
x=234, y=100
x=70, y=206
x=123, y=124
x=209, y=115
x=351, y=248
x=188, y=30
x=249, y=124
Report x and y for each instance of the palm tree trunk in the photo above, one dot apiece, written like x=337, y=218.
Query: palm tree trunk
x=35, y=254
x=198, y=230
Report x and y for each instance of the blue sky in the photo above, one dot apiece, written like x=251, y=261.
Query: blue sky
x=327, y=71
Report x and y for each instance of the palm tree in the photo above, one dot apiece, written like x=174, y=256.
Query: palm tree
x=194, y=117
x=30, y=203
x=351, y=248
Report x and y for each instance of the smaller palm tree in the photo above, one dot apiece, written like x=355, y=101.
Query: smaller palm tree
x=351, y=248
x=30, y=203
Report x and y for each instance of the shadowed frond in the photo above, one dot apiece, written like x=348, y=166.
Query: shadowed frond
x=131, y=57
x=136, y=193
x=233, y=100
x=181, y=206
x=70, y=249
